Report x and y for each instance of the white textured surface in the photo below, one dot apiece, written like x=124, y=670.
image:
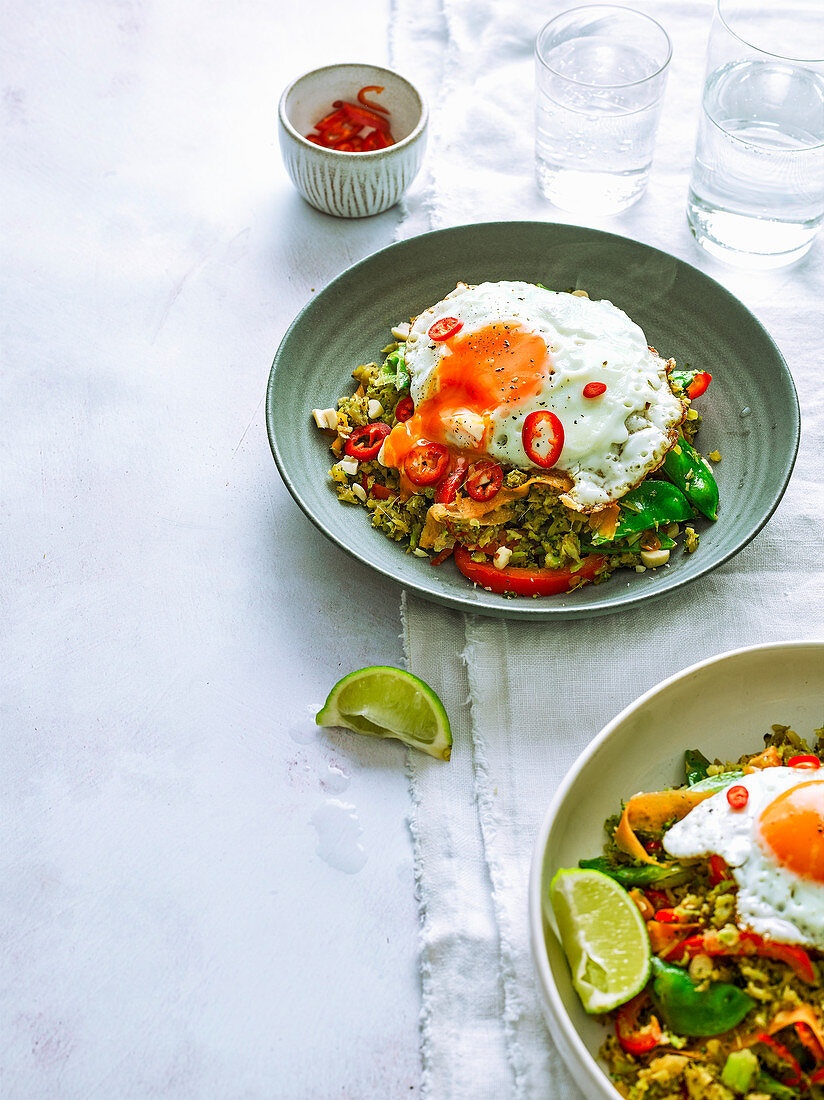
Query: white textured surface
x=538, y=693
x=169, y=925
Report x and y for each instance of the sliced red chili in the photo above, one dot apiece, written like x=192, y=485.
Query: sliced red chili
x=426, y=463
x=404, y=409
x=812, y=762
x=375, y=140
x=439, y=559
x=377, y=89
x=353, y=128
x=331, y=120
x=750, y=943
x=738, y=796
x=657, y=898
x=444, y=328
x=364, y=443
x=517, y=581
x=698, y=385
x=543, y=438
x=719, y=871
x=809, y=1040
x=594, y=389
x=784, y=1055
x=361, y=117
x=484, y=480
x=635, y=1039
x=448, y=488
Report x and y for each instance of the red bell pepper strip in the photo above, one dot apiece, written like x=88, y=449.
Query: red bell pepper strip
x=698, y=385
x=365, y=442
x=426, y=463
x=633, y=1039
x=484, y=480
x=448, y=488
x=543, y=438
x=750, y=943
x=517, y=581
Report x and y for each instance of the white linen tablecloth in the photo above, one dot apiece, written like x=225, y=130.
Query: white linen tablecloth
x=525, y=699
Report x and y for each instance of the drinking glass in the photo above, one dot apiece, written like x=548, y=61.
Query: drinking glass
x=756, y=196
x=600, y=74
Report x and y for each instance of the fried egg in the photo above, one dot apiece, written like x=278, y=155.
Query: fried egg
x=520, y=349
x=774, y=847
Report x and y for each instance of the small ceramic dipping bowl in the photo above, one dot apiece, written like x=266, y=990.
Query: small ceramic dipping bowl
x=351, y=185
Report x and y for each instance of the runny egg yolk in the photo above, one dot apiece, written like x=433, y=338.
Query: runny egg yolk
x=494, y=368
x=792, y=828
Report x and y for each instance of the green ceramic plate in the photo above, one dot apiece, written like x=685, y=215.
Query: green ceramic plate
x=750, y=412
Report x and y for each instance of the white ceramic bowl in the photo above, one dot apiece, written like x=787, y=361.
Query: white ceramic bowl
x=351, y=185
x=722, y=706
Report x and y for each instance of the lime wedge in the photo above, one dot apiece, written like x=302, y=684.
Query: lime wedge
x=604, y=937
x=387, y=702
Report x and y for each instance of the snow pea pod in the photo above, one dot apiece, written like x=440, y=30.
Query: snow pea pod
x=651, y=505
x=688, y=1010
x=637, y=874
x=695, y=765
x=693, y=475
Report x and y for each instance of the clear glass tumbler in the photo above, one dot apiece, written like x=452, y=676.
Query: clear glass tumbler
x=601, y=71
x=756, y=196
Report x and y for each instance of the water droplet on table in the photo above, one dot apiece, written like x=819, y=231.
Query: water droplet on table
x=339, y=833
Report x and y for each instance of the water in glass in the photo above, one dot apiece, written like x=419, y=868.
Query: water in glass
x=758, y=179
x=594, y=146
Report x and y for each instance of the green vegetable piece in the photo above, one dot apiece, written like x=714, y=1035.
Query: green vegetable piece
x=717, y=782
x=740, y=1071
x=624, y=547
x=394, y=368
x=682, y=378
x=642, y=874
x=771, y=1087
x=647, y=506
x=695, y=765
x=693, y=475
x=688, y=1010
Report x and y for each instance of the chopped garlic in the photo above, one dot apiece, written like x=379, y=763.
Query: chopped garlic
x=359, y=491
x=327, y=419
x=349, y=465
x=652, y=559
x=502, y=556
x=374, y=408
x=401, y=330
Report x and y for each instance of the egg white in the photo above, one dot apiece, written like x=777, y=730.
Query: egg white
x=772, y=900
x=611, y=442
